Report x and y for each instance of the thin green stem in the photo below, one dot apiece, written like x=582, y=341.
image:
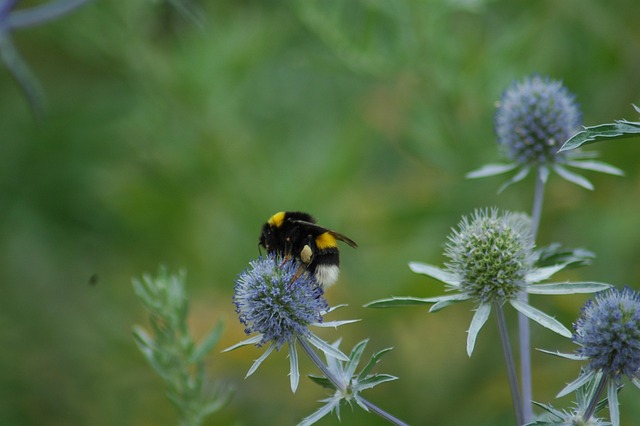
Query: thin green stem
x=341, y=386
x=523, y=321
x=591, y=408
x=508, y=359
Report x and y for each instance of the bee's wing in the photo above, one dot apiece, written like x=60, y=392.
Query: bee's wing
x=321, y=229
x=344, y=238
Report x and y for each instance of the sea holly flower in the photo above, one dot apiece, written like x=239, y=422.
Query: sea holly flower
x=491, y=261
x=278, y=303
x=608, y=333
x=533, y=119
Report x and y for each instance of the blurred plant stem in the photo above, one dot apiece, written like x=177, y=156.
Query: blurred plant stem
x=172, y=352
x=523, y=322
x=508, y=359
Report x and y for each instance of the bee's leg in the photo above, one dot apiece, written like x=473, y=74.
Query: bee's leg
x=306, y=255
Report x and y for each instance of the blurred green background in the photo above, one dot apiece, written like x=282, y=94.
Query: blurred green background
x=168, y=142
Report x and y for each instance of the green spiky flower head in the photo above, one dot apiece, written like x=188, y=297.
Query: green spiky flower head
x=491, y=252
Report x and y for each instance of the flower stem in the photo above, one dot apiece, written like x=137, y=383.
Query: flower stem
x=523, y=321
x=508, y=359
x=591, y=408
x=340, y=386
x=318, y=362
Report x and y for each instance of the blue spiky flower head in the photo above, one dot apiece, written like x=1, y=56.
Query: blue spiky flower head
x=608, y=332
x=270, y=300
x=534, y=118
x=491, y=252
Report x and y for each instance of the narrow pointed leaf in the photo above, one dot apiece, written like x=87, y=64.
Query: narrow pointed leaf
x=541, y=274
x=354, y=358
x=559, y=414
x=333, y=308
x=251, y=341
x=435, y=272
x=567, y=288
x=543, y=173
x=320, y=413
x=597, y=166
x=412, y=301
x=479, y=319
x=636, y=382
x=582, y=380
x=619, y=130
x=294, y=372
x=375, y=358
x=614, y=407
x=523, y=173
x=322, y=381
x=259, y=361
x=572, y=357
x=374, y=380
x=491, y=170
x=447, y=301
x=573, y=177
x=334, y=324
x=208, y=343
x=326, y=348
x=540, y=317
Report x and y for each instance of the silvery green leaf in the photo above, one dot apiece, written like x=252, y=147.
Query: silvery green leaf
x=325, y=347
x=559, y=414
x=374, y=380
x=251, y=341
x=331, y=404
x=334, y=324
x=636, y=382
x=208, y=343
x=479, y=319
x=375, y=358
x=523, y=173
x=491, y=170
x=322, y=381
x=572, y=357
x=333, y=308
x=407, y=301
x=573, y=177
x=597, y=166
x=582, y=380
x=543, y=173
x=618, y=130
x=614, y=407
x=294, y=372
x=541, y=274
x=567, y=288
x=556, y=254
x=435, y=272
x=540, y=317
x=145, y=343
x=449, y=300
x=354, y=358
x=259, y=361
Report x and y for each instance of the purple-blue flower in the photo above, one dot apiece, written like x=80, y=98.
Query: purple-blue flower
x=272, y=301
x=608, y=332
x=534, y=118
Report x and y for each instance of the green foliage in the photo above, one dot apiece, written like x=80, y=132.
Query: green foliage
x=621, y=129
x=166, y=142
x=171, y=350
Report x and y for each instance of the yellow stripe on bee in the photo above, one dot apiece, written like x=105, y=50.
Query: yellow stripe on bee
x=326, y=240
x=276, y=220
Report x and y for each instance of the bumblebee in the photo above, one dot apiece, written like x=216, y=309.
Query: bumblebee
x=297, y=235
